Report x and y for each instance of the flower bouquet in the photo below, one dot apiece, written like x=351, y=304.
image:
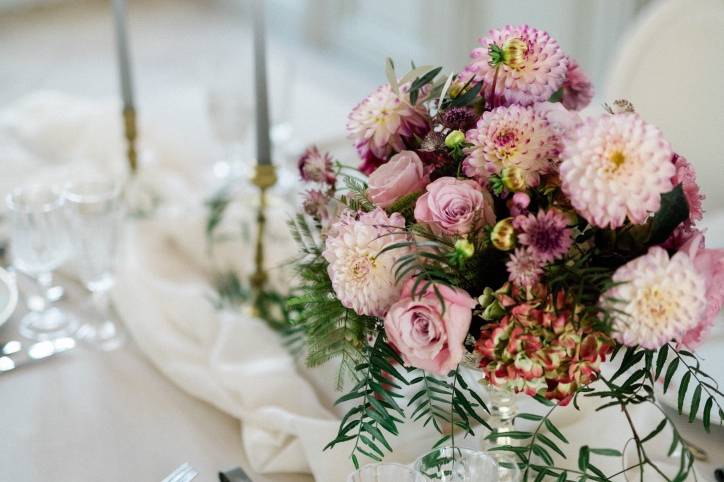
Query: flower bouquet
x=501, y=230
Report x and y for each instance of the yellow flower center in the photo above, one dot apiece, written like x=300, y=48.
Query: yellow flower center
x=656, y=303
x=514, y=52
x=617, y=159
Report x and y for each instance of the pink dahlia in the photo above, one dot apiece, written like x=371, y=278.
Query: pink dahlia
x=686, y=176
x=316, y=167
x=656, y=299
x=530, y=65
x=512, y=136
x=546, y=235
x=577, y=89
x=709, y=263
x=524, y=268
x=616, y=167
x=383, y=123
x=362, y=276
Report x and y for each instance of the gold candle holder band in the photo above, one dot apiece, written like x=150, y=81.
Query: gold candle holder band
x=265, y=176
x=129, y=127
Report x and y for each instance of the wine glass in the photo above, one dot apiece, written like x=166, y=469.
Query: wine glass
x=386, y=472
x=455, y=464
x=95, y=213
x=39, y=244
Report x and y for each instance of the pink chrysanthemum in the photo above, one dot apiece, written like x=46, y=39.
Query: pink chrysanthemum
x=362, y=278
x=656, y=299
x=616, y=167
x=546, y=235
x=512, y=136
x=382, y=124
x=316, y=167
x=524, y=268
x=577, y=88
x=530, y=65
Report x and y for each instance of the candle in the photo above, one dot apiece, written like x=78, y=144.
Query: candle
x=124, y=64
x=263, y=143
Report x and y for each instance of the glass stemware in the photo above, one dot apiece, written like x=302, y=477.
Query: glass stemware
x=95, y=212
x=454, y=464
x=39, y=245
x=386, y=472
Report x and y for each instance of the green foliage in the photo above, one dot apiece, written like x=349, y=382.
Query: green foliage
x=405, y=205
x=330, y=329
x=377, y=411
x=216, y=206
x=467, y=98
x=673, y=211
x=443, y=403
x=355, y=196
x=420, y=82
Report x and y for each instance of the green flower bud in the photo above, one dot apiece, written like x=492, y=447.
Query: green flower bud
x=464, y=249
x=486, y=298
x=503, y=235
x=514, y=179
x=454, y=139
x=493, y=312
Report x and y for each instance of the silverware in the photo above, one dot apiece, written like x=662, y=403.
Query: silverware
x=184, y=473
x=12, y=355
x=234, y=475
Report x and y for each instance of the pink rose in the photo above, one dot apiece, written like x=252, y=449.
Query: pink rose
x=455, y=206
x=402, y=175
x=710, y=264
x=427, y=334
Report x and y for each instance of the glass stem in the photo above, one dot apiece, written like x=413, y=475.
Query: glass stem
x=503, y=409
x=103, y=304
x=40, y=301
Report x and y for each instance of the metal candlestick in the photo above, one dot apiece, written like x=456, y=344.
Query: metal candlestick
x=265, y=176
x=129, y=127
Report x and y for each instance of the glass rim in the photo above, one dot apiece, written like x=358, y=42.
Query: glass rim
x=461, y=450
x=372, y=465
x=11, y=199
x=112, y=189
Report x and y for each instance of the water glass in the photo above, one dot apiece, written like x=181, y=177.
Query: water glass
x=454, y=464
x=39, y=244
x=386, y=473
x=95, y=214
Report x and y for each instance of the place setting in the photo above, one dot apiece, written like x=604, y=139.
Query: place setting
x=496, y=270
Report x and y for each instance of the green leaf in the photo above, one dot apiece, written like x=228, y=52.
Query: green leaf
x=550, y=444
x=514, y=434
x=562, y=477
x=707, y=413
x=606, y=452
x=554, y=430
x=661, y=360
x=670, y=373
x=655, y=431
x=529, y=416
x=420, y=82
x=695, y=400
x=583, y=456
x=682, y=390
x=673, y=211
x=468, y=96
x=543, y=454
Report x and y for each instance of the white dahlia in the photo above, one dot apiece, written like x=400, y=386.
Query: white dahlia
x=512, y=136
x=657, y=299
x=616, y=167
x=362, y=278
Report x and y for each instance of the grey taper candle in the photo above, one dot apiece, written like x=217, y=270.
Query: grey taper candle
x=124, y=63
x=263, y=143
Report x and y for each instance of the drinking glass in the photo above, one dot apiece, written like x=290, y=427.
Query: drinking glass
x=454, y=464
x=39, y=244
x=386, y=473
x=95, y=213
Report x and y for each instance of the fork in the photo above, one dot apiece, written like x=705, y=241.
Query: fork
x=184, y=473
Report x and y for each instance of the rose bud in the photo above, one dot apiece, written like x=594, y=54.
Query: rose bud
x=513, y=179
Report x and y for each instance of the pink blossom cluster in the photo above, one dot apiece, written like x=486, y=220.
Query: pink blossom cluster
x=543, y=344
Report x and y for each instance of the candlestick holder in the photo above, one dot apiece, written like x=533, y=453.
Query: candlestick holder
x=265, y=176
x=129, y=128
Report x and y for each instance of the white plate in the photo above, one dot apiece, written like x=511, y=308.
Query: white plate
x=8, y=295
x=711, y=354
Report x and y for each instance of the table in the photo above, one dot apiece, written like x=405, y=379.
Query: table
x=86, y=415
